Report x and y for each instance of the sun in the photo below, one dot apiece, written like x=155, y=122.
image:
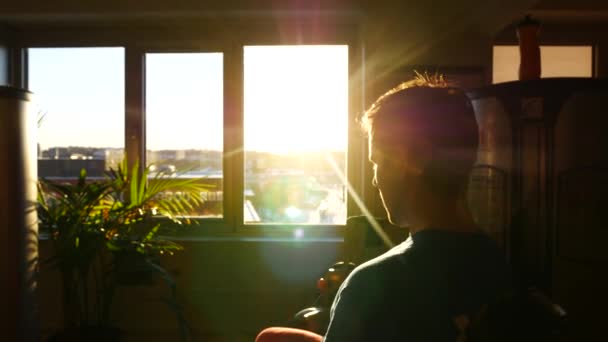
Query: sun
x=296, y=98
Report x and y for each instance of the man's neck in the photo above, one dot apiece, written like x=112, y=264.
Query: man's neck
x=446, y=215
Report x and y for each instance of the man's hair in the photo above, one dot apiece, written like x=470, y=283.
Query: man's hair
x=427, y=109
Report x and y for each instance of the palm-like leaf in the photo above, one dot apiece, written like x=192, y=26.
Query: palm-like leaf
x=90, y=221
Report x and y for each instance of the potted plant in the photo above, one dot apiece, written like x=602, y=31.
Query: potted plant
x=102, y=230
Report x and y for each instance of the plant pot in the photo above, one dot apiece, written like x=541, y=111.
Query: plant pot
x=133, y=268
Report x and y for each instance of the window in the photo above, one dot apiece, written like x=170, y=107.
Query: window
x=184, y=120
x=265, y=125
x=296, y=123
x=556, y=61
x=80, y=97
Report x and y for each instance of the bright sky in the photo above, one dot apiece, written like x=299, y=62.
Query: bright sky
x=296, y=98
x=81, y=92
x=555, y=61
x=184, y=101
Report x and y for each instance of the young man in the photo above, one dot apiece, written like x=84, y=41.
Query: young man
x=422, y=143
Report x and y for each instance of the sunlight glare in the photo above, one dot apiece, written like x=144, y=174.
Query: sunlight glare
x=296, y=98
x=359, y=202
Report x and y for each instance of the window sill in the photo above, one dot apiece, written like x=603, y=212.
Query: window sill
x=242, y=238
x=281, y=234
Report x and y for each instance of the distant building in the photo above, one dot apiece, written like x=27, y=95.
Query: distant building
x=70, y=168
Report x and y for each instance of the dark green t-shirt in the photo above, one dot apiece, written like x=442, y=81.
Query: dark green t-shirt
x=417, y=290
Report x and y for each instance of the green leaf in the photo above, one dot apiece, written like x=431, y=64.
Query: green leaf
x=141, y=195
x=91, y=221
x=133, y=180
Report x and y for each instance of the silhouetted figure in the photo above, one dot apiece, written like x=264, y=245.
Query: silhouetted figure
x=422, y=143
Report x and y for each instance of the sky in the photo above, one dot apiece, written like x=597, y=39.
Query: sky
x=80, y=92
x=296, y=98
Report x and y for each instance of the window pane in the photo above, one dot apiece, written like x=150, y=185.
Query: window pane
x=556, y=61
x=80, y=95
x=296, y=124
x=566, y=61
x=184, y=120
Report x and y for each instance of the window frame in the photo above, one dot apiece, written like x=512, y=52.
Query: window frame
x=137, y=42
x=211, y=225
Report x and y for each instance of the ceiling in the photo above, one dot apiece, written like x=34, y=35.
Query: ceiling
x=571, y=10
x=481, y=15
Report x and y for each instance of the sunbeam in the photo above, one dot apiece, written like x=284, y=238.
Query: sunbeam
x=351, y=191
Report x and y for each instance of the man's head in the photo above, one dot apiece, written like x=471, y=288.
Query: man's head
x=422, y=139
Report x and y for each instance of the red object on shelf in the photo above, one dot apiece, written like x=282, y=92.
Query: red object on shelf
x=322, y=284
x=529, y=49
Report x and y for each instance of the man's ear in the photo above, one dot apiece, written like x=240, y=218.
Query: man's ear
x=412, y=159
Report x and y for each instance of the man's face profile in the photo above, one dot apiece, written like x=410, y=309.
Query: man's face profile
x=395, y=174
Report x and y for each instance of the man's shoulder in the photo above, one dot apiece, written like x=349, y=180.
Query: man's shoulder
x=396, y=261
